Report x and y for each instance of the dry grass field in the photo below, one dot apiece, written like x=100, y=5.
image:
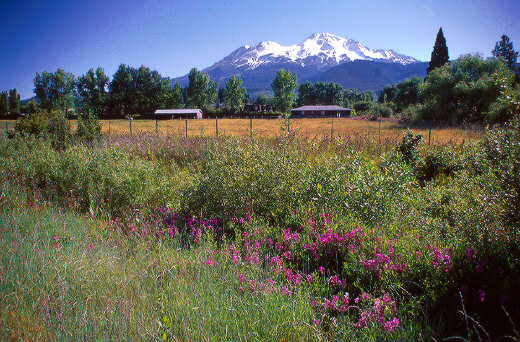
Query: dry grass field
x=348, y=129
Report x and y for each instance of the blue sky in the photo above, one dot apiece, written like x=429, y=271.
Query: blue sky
x=174, y=36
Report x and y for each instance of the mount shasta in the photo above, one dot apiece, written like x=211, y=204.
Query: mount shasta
x=321, y=57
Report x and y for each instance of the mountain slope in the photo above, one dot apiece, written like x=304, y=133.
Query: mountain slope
x=369, y=75
x=257, y=65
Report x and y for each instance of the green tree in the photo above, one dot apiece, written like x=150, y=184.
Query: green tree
x=137, y=91
x=463, y=92
x=92, y=87
x=55, y=90
x=120, y=93
x=201, y=90
x=351, y=96
x=306, y=94
x=262, y=99
x=284, y=85
x=504, y=50
x=4, y=103
x=175, y=99
x=14, y=102
x=439, y=53
x=234, y=94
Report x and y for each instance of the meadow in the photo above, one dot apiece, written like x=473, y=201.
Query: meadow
x=287, y=235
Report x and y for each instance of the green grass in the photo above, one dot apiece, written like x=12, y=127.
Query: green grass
x=87, y=252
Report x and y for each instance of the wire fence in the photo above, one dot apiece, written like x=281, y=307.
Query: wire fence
x=381, y=131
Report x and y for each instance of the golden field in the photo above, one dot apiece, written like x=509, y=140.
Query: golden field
x=344, y=128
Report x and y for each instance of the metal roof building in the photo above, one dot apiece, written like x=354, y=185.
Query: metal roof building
x=179, y=113
x=320, y=111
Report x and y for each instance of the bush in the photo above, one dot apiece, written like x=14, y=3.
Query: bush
x=51, y=125
x=362, y=106
x=408, y=147
x=89, y=128
x=383, y=110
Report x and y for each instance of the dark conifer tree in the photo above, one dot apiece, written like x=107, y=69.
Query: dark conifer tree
x=439, y=53
x=504, y=50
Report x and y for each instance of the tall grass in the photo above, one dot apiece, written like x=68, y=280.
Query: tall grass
x=160, y=237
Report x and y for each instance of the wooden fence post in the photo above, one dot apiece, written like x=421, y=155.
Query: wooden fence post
x=429, y=131
x=332, y=130
x=108, y=126
x=216, y=127
x=250, y=127
x=130, y=126
x=156, y=126
x=186, y=128
x=380, y=137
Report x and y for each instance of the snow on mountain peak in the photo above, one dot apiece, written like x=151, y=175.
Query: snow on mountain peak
x=319, y=49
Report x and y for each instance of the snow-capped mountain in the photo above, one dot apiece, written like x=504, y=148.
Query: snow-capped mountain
x=257, y=65
x=320, y=50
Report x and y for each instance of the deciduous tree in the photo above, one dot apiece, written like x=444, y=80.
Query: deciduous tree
x=55, y=90
x=92, y=87
x=201, y=90
x=284, y=85
x=14, y=102
x=4, y=103
x=234, y=94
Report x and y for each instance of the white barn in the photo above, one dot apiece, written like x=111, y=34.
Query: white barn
x=179, y=113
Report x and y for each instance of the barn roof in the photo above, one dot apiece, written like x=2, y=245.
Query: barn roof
x=177, y=111
x=322, y=108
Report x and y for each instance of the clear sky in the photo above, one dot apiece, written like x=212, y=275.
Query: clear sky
x=174, y=36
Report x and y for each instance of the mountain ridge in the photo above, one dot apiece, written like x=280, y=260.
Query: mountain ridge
x=319, y=52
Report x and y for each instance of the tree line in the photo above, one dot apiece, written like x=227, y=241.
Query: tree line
x=466, y=90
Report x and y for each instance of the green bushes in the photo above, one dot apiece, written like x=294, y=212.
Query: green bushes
x=96, y=180
x=52, y=125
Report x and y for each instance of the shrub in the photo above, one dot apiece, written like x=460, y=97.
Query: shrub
x=51, y=125
x=89, y=128
x=383, y=110
x=408, y=147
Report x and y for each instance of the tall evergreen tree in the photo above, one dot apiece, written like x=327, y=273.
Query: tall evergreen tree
x=504, y=50
x=439, y=53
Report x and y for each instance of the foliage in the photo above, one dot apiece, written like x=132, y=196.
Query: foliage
x=201, y=90
x=464, y=92
x=137, y=91
x=234, y=94
x=262, y=99
x=89, y=128
x=408, y=147
x=281, y=238
x=504, y=50
x=439, y=54
x=327, y=93
x=14, y=102
x=362, y=106
x=51, y=125
x=402, y=94
x=55, y=91
x=283, y=86
x=383, y=110
x=176, y=99
x=4, y=103
x=92, y=88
